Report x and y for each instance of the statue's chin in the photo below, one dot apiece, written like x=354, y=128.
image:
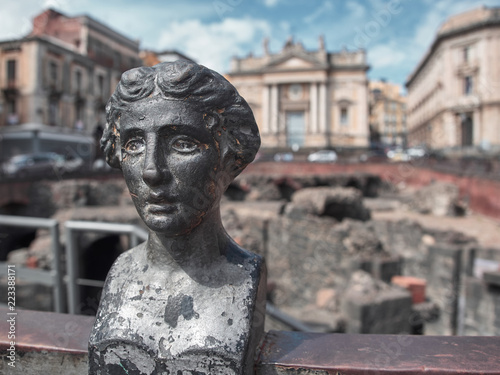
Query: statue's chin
x=171, y=224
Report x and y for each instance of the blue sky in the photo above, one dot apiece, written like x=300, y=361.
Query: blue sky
x=395, y=33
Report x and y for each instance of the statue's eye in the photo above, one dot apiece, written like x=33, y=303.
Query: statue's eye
x=184, y=145
x=135, y=146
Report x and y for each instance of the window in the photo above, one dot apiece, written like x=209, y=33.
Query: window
x=467, y=126
x=295, y=127
x=12, y=117
x=11, y=71
x=53, y=73
x=344, y=116
x=53, y=111
x=100, y=85
x=78, y=82
x=79, y=111
x=466, y=53
x=117, y=59
x=468, y=85
x=11, y=106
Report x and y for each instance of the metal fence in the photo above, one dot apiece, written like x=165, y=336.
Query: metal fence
x=56, y=277
x=71, y=228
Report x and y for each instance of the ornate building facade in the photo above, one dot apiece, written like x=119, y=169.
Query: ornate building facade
x=306, y=99
x=387, y=114
x=454, y=92
x=63, y=72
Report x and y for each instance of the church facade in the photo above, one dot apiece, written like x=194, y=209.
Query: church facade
x=306, y=99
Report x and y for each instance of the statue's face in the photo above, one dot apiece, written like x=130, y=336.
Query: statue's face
x=169, y=161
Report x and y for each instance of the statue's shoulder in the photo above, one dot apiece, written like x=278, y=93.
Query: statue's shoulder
x=128, y=263
x=135, y=255
x=238, y=255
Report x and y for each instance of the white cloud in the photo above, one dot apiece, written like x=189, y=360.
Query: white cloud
x=438, y=12
x=285, y=26
x=325, y=7
x=271, y=3
x=15, y=18
x=386, y=55
x=133, y=19
x=378, y=4
x=213, y=44
x=357, y=10
x=56, y=4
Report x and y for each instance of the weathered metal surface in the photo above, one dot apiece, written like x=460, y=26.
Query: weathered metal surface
x=189, y=299
x=344, y=354
x=47, y=331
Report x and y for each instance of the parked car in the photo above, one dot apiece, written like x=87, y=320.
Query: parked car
x=398, y=154
x=323, y=156
x=416, y=152
x=71, y=164
x=283, y=156
x=41, y=164
x=374, y=156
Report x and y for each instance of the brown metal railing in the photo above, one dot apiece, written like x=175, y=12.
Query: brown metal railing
x=58, y=343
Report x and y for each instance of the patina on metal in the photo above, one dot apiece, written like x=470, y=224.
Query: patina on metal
x=189, y=300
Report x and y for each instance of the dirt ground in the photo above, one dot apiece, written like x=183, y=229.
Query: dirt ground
x=486, y=230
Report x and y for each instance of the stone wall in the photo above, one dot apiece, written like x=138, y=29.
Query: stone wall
x=482, y=314
x=312, y=259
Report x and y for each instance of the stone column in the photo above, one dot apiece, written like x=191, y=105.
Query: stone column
x=265, y=109
x=313, y=95
x=323, y=113
x=274, y=108
x=450, y=132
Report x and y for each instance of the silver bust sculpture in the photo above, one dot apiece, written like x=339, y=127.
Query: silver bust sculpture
x=189, y=300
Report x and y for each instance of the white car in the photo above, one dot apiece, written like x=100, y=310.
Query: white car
x=283, y=156
x=323, y=156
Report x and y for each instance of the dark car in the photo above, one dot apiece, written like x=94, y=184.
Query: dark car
x=42, y=164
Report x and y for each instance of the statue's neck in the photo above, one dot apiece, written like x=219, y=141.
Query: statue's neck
x=195, y=250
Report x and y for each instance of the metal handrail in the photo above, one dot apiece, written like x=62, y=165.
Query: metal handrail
x=136, y=234
x=53, y=277
x=288, y=320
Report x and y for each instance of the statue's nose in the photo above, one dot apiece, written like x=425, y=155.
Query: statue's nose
x=154, y=169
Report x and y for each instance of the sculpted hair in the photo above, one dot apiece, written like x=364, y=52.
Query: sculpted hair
x=227, y=114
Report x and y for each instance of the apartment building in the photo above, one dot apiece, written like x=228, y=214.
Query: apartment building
x=454, y=92
x=63, y=72
x=387, y=113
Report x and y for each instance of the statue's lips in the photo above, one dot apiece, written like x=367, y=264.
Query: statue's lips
x=160, y=208
x=159, y=204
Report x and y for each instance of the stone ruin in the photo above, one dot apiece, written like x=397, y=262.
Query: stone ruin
x=318, y=260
